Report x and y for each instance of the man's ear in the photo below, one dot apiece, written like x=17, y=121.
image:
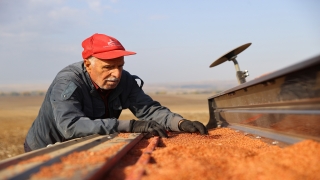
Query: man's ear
x=87, y=64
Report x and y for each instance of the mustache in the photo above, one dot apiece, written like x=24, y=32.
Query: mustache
x=112, y=79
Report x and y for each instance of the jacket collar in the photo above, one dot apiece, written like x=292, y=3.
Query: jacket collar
x=89, y=82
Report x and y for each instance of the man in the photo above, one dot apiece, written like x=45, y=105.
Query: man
x=87, y=98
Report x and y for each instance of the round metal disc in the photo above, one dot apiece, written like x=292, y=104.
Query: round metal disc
x=230, y=54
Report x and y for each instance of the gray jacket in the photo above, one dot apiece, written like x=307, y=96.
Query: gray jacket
x=73, y=108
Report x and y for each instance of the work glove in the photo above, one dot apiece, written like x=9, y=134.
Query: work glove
x=151, y=126
x=192, y=126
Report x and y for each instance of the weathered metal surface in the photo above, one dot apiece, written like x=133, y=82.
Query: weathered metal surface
x=286, y=102
x=83, y=158
x=267, y=135
x=23, y=157
x=102, y=171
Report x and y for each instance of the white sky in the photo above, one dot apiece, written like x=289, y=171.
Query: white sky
x=175, y=41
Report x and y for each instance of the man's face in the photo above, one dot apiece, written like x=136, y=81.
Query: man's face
x=106, y=74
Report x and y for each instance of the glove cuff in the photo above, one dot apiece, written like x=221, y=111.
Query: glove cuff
x=125, y=125
x=174, y=124
x=131, y=125
x=179, y=124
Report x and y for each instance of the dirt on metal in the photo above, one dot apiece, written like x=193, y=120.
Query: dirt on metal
x=77, y=162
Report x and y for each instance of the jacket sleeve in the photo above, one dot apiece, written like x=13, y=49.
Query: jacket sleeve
x=145, y=108
x=66, y=100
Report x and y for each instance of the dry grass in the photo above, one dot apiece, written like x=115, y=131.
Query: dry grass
x=16, y=117
x=18, y=113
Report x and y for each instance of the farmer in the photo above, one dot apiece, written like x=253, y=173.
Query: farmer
x=87, y=98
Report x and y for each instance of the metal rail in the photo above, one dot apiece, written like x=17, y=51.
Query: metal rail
x=139, y=167
x=84, y=158
x=284, y=105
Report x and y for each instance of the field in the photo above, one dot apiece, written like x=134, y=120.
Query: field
x=18, y=112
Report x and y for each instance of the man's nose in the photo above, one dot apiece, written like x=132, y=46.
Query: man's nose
x=116, y=72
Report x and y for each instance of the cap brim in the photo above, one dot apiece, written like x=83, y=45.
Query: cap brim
x=113, y=54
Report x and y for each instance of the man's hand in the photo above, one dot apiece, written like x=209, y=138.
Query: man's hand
x=148, y=126
x=192, y=126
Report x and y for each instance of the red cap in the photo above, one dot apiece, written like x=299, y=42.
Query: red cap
x=103, y=47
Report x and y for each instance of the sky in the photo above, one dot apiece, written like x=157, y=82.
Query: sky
x=175, y=41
